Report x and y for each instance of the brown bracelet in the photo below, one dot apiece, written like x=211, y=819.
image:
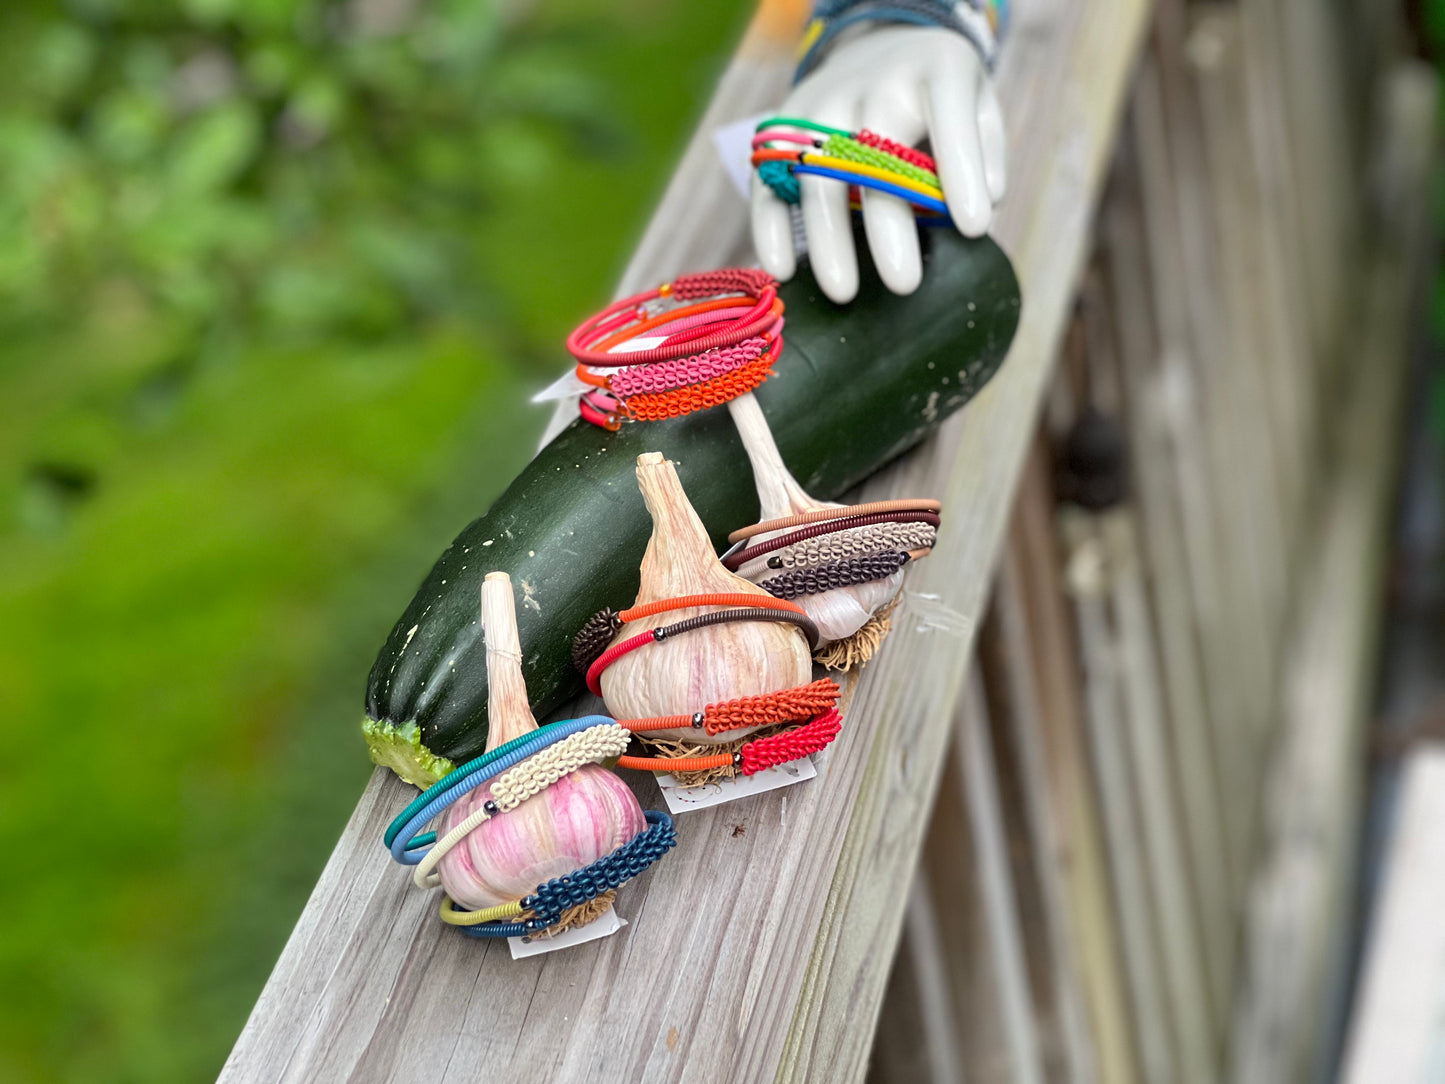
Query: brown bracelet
x=819, y=514
x=740, y=555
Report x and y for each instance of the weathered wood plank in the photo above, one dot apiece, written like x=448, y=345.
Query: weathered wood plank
x=762, y=954
x=1300, y=894
x=1028, y=806
x=1154, y=1012
x=1031, y=579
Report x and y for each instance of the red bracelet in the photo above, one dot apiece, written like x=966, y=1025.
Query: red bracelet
x=594, y=338
x=592, y=639
x=719, y=345
x=764, y=709
x=755, y=756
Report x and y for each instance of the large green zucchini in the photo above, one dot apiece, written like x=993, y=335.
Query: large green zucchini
x=856, y=386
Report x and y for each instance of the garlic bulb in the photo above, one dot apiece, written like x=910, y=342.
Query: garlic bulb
x=708, y=665
x=580, y=818
x=838, y=613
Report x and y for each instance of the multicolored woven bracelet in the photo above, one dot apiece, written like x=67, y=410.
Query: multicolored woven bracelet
x=690, y=344
x=785, y=148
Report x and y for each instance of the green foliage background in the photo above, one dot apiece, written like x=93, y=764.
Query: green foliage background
x=275, y=276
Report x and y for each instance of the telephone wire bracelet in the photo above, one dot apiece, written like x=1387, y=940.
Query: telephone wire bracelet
x=691, y=344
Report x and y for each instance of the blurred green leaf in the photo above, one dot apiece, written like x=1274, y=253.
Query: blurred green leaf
x=212, y=150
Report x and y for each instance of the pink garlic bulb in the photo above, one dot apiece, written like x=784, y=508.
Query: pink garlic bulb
x=580, y=818
x=708, y=665
x=838, y=613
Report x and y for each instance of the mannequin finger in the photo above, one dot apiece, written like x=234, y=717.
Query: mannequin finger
x=888, y=221
x=993, y=138
x=827, y=221
x=772, y=223
x=953, y=128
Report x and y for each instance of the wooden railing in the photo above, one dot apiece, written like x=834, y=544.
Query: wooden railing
x=1067, y=830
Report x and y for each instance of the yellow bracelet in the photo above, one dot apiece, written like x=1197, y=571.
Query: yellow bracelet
x=452, y=917
x=826, y=162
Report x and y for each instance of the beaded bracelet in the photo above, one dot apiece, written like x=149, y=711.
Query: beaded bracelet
x=886, y=537
x=591, y=641
x=718, y=334
x=546, y=906
x=741, y=553
x=663, y=632
x=835, y=574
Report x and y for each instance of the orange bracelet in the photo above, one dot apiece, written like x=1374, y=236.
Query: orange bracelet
x=754, y=756
x=687, y=602
x=764, y=709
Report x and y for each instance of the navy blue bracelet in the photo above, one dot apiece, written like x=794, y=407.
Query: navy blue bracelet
x=831, y=17
x=562, y=893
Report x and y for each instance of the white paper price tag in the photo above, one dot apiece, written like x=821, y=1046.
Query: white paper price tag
x=603, y=926
x=684, y=799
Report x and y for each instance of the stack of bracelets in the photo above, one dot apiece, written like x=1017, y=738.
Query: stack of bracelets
x=512, y=773
x=982, y=22
x=785, y=148
x=690, y=344
x=837, y=547
x=812, y=707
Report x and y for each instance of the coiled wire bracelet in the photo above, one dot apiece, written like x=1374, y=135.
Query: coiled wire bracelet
x=717, y=335
x=512, y=773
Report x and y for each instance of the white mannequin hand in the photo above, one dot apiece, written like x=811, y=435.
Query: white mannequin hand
x=902, y=82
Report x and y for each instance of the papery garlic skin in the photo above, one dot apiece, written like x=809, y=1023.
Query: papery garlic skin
x=580, y=818
x=844, y=610
x=708, y=665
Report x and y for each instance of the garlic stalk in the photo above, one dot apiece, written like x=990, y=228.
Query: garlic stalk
x=838, y=613
x=708, y=665
x=580, y=818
